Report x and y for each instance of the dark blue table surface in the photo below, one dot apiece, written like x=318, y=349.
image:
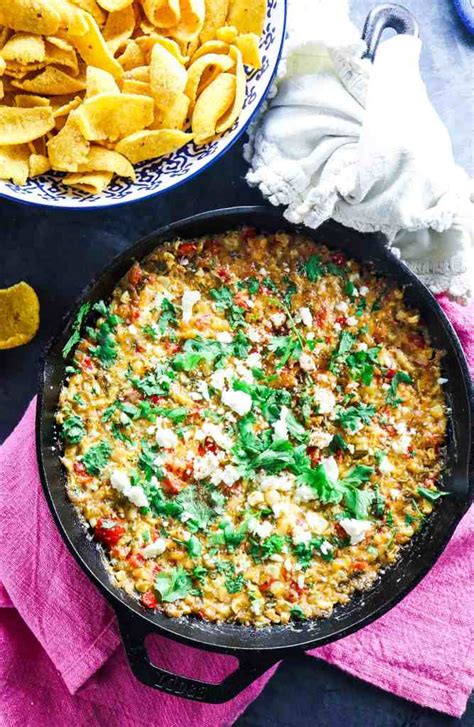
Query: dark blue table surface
x=58, y=253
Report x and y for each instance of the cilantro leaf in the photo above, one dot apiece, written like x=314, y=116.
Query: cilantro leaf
x=431, y=495
x=75, y=336
x=73, y=429
x=96, y=458
x=234, y=584
x=167, y=316
x=173, y=585
x=146, y=462
x=339, y=355
x=228, y=536
x=194, y=547
x=313, y=267
x=251, y=284
x=156, y=382
x=358, y=475
x=224, y=301
x=353, y=417
x=262, y=550
x=195, y=512
x=284, y=348
x=198, y=350
x=338, y=444
x=241, y=345
x=399, y=377
x=298, y=614
x=358, y=502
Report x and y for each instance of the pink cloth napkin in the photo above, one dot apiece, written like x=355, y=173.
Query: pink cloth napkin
x=61, y=659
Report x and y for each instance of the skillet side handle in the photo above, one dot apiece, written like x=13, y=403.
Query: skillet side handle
x=387, y=16
x=133, y=637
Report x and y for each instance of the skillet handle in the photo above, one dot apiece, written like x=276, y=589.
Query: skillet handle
x=385, y=16
x=133, y=635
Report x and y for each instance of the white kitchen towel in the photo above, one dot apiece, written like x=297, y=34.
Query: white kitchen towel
x=361, y=143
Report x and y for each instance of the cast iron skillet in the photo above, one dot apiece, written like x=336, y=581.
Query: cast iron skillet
x=257, y=650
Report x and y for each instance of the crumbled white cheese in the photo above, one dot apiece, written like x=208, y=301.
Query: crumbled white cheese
x=254, y=335
x=228, y=475
x=307, y=362
x=395, y=494
x=215, y=432
x=166, y=438
x=301, y=534
x=352, y=321
x=362, y=346
x=206, y=465
x=326, y=547
x=363, y=290
x=356, y=529
x=132, y=329
x=244, y=372
x=386, y=466
x=325, y=399
x=342, y=306
x=330, y=467
x=278, y=508
x=218, y=378
x=257, y=606
x=188, y=301
x=224, y=337
x=320, y=439
x=280, y=429
x=278, y=319
x=310, y=336
x=156, y=548
x=401, y=445
x=254, y=360
x=316, y=522
x=277, y=482
x=261, y=529
x=442, y=381
x=337, y=326
x=238, y=401
x=305, y=494
x=203, y=389
x=120, y=481
x=306, y=317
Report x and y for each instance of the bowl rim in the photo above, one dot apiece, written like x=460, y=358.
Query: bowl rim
x=153, y=194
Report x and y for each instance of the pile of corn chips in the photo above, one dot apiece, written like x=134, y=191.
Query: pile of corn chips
x=91, y=87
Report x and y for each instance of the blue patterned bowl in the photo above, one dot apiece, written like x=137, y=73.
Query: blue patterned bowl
x=161, y=175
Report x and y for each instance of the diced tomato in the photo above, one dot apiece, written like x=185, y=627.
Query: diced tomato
x=149, y=600
x=417, y=339
x=187, y=249
x=320, y=316
x=360, y=565
x=342, y=320
x=213, y=247
x=240, y=300
x=156, y=569
x=172, y=485
x=138, y=348
x=108, y=531
x=314, y=455
x=134, y=314
x=390, y=373
x=171, y=347
x=86, y=364
x=266, y=584
x=208, y=445
x=223, y=274
x=136, y=560
x=249, y=232
x=340, y=532
x=135, y=275
x=155, y=399
x=338, y=259
x=81, y=472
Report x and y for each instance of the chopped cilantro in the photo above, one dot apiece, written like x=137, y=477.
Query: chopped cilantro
x=313, y=267
x=151, y=331
x=399, y=377
x=339, y=355
x=285, y=348
x=353, y=417
x=304, y=552
x=75, y=336
x=167, y=316
x=378, y=503
x=73, y=429
x=106, y=348
x=156, y=382
x=431, y=495
x=146, y=462
x=241, y=345
x=251, y=284
x=199, y=573
x=195, y=512
x=96, y=458
x=224, y=301
x=338, y=444
x=228, y=536
x=262, y=550
x=173, y=585
x=197, y=350
x=234, y=584
x=194, y=547
x=297, y=613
